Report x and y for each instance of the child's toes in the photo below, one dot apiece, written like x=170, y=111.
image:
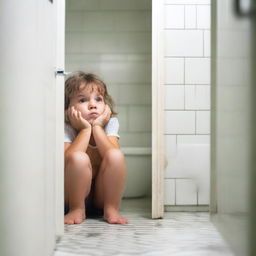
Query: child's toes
x=111, y=220
x=69, y=221
x=75, y=216
x=116, y=220
x=124, y=221
x=78, y=220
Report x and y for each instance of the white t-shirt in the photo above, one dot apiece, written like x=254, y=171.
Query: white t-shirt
x=111, y=129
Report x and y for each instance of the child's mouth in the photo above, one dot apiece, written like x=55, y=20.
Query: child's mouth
x=94, y=114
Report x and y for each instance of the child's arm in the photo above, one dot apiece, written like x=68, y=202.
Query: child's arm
x=84, y=132
x=80, y=143
x=104, y=142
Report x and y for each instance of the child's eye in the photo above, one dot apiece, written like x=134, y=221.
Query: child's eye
x=83, y=100
x=99, y=99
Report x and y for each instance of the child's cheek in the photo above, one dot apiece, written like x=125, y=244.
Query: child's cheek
x=85, y=116
x=103, y=109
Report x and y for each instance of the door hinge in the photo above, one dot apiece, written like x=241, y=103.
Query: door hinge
x=62, y=72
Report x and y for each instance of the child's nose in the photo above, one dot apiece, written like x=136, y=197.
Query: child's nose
x=92, y=104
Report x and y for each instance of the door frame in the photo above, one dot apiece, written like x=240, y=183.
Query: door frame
x=157, y=88
x=157, y=109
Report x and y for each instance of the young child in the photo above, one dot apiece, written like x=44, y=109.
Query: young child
x=95, y=169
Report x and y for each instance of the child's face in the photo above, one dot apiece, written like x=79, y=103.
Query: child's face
x=90, y=103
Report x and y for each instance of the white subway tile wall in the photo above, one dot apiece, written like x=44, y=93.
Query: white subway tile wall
x=174, y=71
x=174, y=97
x=202, y=122
x=197, y=97
x=197, y=70
x=171, y=147
x=113, y=40
x=203, y=16
x=187, y=101
x=188, y=161
x=139, y=119
x=174, y=16
x=169, y=191
x=180, y=122
x=190, y=16
x=207, y=43
x=183, y=43
x=186, y=192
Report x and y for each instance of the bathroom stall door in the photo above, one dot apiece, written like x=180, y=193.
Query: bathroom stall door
x=30, y=137
x=233, y=122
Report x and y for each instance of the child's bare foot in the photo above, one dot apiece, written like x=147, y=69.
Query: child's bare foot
x=112, y=216
x=75, y=216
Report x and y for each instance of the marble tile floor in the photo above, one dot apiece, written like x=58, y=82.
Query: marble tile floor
x=178, y=234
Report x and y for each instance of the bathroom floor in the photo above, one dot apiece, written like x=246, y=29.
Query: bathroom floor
x=179, y=233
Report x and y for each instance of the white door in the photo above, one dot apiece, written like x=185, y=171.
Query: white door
x=233, y=121
x=30, y=137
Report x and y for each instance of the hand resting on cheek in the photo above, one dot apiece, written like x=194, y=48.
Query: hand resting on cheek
x=76, y=120
x=103, y=118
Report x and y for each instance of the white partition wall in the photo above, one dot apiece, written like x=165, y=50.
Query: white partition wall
x=28, y=127
x=233, y=180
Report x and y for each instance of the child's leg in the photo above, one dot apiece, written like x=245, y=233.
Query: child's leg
x=109, y=186
x=78, y=177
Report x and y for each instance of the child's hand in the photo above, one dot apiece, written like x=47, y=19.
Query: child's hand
x=76, y=120
x=103, y=118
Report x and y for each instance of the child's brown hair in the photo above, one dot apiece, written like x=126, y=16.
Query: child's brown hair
x=81, y=80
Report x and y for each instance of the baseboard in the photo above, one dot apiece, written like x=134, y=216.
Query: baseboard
x=186, y=208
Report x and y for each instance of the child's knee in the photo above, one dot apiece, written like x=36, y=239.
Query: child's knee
x=78, y=159
x=114, y=156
